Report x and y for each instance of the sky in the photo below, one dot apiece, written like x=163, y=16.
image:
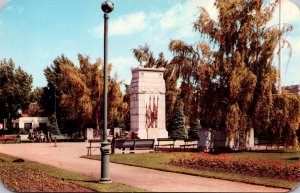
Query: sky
x=35, y=32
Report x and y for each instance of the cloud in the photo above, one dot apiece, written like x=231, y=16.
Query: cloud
x=129, y=24
x=181, y=16
x=125, y=25
x=122, y=65
x=290, y=13
x=177, y=20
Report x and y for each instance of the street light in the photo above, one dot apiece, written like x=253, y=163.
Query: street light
x=106, y=7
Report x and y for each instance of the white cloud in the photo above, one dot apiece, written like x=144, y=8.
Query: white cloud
x=181, y=16
x=289, y=13
x=129, y=24
x=122, y=65
x=124, y=25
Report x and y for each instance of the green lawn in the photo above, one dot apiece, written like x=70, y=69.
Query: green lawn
x=288, y=156
x=75, y=178
x=159, y=161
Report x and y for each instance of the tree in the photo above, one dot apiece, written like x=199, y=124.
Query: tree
x=239, y=80
x=285, y=119
x=79, y=94
x=15, y=88
x=126, y=100
x=195, y=127
x=75, y=106
x=53, y=129
x=34, y=110
x=176, y=129
x=186, y=65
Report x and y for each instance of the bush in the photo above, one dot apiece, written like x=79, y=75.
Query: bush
x=223, y=163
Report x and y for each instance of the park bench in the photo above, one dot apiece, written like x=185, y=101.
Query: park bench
x=268, y=142
x=25, y=138
x=134, y=144
x=8, y=138
x=60, y=138
x=90, y=147
x=165, y=142
x=189, y=143
x=94, y=141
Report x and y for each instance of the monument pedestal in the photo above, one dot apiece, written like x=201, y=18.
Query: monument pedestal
x=147, y=103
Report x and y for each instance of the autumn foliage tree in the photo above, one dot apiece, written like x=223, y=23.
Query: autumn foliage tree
x=79, y=92
x=239, y=80
x=228, y=79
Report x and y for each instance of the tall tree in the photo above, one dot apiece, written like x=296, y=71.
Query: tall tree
x=195, y=127
x=126, y=100
x=239, y=79
x=285, y=119
x=79, y=92
x=15, y=88
x=74, y=103
x=176, y=129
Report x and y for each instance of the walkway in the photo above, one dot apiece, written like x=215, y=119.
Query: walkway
x=66, y=156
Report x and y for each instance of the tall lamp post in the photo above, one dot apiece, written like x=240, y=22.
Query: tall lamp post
x=106, y=7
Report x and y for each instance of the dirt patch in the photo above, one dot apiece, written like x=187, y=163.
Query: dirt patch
x=20, y=179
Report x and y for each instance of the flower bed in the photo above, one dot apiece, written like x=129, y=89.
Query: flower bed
x=224, y=163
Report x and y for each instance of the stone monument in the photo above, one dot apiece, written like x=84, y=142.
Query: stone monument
x=147, y=103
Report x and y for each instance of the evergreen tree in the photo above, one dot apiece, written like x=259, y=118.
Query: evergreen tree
x=176, y=129
x=195, y=126
x=53, y=125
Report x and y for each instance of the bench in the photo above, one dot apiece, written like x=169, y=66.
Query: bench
x=165, y=142
x=60, y=138
x=89, y=148
x=189, y=143
x=268, y=142
x=25, y=138
x=10, y=138
x=134, y=144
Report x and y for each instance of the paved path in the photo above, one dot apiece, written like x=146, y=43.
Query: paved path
x=66, y=156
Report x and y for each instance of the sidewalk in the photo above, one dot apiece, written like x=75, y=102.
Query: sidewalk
x=66, y=156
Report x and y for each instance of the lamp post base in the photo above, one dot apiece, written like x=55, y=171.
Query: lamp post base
x=105, y=179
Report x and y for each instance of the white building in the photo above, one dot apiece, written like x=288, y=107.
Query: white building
x=32, y=122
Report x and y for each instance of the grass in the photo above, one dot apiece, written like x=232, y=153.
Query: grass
x=159, y=161
x=72, y=177
x=288, y=156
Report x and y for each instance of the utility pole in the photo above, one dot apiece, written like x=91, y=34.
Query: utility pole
x=279, y=52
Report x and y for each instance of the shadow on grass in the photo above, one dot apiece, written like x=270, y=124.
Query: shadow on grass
x=77, y=180
x=293, y=158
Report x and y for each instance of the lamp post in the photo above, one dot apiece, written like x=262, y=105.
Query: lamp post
x=106, y=7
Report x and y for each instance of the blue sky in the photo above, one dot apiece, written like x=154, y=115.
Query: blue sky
x=34, y=32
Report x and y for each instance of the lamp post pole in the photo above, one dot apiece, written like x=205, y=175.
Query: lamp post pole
x=106, y=7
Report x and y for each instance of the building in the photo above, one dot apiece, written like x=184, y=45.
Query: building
x=31, y=122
